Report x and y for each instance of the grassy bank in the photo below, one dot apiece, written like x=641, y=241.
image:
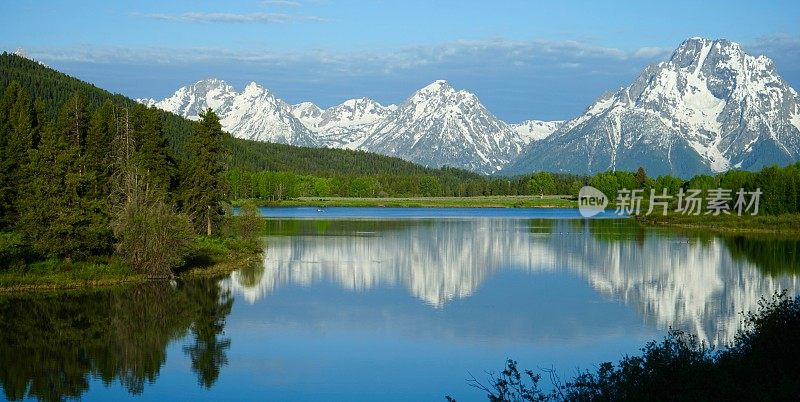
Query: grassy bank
x=548, y=201
x=784, y=224
x=209, y=256
x=57, y=274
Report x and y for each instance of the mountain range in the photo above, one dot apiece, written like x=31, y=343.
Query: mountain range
x=711, y=107
x=436, y=126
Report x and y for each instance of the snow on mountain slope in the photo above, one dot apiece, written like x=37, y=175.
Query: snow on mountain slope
x=149, y=102
x=353, y=112
x=308, y=114
x=254, y=114
x=341, y=125
x=710, y=108
x=191, y=100
x=796, y=120
x=535, y=130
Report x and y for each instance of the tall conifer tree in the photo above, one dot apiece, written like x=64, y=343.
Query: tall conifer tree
x=205, y=188
x=102, y=128
x=153, y=155
x=17, y=129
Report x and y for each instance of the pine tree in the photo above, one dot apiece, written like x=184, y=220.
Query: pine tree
x=60, y=215
x=102, y=128
x=205, y=187
x=153, y=155
x=16, y=139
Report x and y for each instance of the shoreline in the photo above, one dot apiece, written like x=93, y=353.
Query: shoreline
x=45, y=283
x=18, y=283
x=550, y=201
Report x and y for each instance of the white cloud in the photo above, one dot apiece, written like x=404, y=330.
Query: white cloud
x=478, y=52
x=781, y=46
x=660, y=52
x=491, y=57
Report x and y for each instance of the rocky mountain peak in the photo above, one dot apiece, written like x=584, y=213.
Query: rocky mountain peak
x=709, y=108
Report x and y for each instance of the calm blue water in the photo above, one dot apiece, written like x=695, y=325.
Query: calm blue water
x=396, y=305
x=424, y=213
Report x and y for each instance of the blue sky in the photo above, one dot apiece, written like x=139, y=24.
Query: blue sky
x=524, y=59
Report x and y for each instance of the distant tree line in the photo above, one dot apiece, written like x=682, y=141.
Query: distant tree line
x=779, y=185
x=281, y=185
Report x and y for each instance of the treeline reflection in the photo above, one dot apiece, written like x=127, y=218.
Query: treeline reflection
x=53, y=345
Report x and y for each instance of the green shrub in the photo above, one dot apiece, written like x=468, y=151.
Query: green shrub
x=152, y=238
x=246, y=228
x=13, y=250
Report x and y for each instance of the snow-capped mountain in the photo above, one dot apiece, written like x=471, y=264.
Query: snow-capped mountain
x=353, y=112
x=191, y=100
x=254, y=114
x=440, y=126
x=149, y=102
x=341, y=125
x=710, y=108
x=22, y=53
x=436, y=126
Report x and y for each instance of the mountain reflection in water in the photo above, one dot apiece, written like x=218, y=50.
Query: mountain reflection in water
x=695, y=282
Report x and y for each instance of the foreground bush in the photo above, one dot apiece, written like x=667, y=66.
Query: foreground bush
x=151, y=237
x=762, y=363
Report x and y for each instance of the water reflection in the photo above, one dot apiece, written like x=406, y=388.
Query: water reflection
x=53, y=345
x=696, y=282
x=564, y=292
